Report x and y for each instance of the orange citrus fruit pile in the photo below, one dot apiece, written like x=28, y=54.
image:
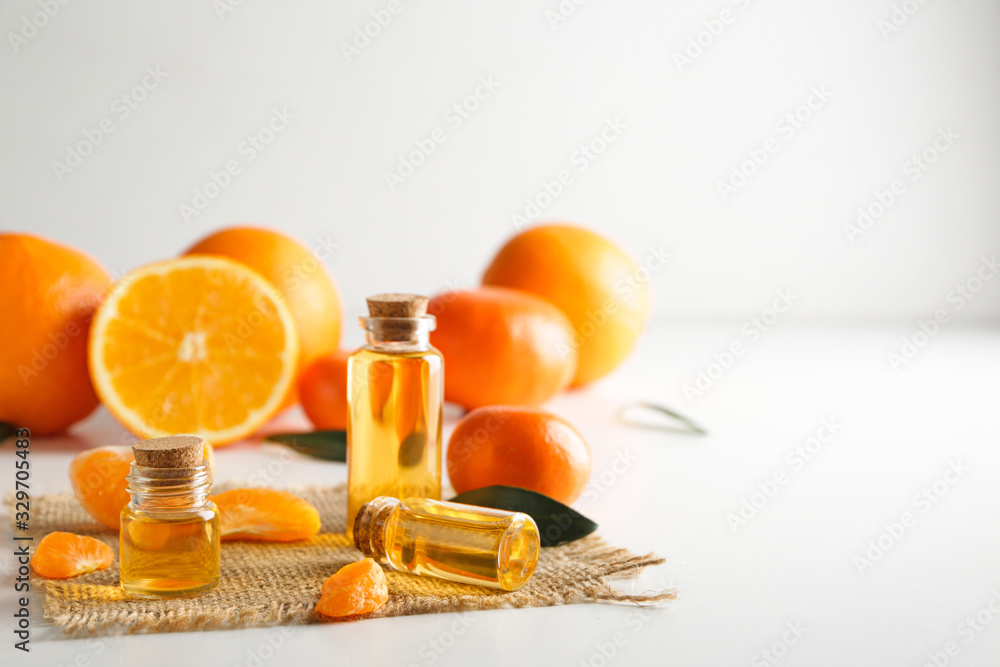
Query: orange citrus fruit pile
x=62, y=555
x=266, y=515
x=357, y=588
x=603, y=291
x=197, y=344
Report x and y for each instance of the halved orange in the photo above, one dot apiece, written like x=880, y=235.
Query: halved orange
x=197, y=344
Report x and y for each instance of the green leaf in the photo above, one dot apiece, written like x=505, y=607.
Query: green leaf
x=689, y=425
x=557, y=523
x=326, y=445
x=6, y=430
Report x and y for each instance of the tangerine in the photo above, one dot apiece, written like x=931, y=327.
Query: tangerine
x=501, y=346
x=323, y=391
x=518, y=446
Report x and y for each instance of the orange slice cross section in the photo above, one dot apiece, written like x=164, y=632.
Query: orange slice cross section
x=197, y=344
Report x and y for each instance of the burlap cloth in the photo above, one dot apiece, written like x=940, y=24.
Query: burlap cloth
x=271, y=583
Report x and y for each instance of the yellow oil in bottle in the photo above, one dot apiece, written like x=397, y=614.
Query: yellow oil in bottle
x=163, y=557
x=169, y=535
x=473, y=545
x=394, y=427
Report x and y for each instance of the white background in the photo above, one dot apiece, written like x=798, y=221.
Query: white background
x=656, y=186
x=323, y=179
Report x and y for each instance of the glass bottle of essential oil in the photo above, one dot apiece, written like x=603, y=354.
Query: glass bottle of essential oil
x=394, y=400
x=473, y=545
x=169, y=539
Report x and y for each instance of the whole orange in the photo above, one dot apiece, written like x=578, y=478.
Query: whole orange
x=48, y=294
x=308, y=288
x=516, y=446
x=603, y=291
x=323, y=391
x=501, y=346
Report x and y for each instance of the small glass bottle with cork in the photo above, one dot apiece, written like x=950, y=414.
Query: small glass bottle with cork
x=464, y=543
x=395, y=397
x=169, y=539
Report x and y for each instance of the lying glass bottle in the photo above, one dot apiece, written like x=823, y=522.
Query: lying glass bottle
x=464, y=543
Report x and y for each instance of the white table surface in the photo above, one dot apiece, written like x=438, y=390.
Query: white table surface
x=791, y=565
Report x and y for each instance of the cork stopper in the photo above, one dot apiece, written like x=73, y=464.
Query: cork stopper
x=369, y=527
x=175, y=451
x=397, y=305
x=397, y=316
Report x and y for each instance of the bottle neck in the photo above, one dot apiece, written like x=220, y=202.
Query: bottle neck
x=393, y=335
x=370, y=526
x=169, y=490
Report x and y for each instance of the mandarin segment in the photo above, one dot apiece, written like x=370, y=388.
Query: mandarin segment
x=267, y=515
x=62, y=555
x=193, y=345
x=357, y=588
